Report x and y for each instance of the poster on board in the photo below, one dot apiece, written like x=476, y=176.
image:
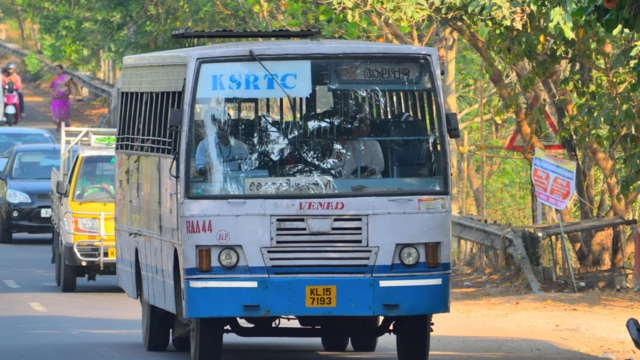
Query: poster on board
x=554, y=179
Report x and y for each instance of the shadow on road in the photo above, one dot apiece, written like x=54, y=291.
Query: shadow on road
x=29, y=239
x=83, y=288
x=75, y=338
x=442, y=348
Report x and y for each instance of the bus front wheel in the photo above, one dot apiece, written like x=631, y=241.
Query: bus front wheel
x=366, y=343
x=335, y=343
x=413, y=337
x=206, y=339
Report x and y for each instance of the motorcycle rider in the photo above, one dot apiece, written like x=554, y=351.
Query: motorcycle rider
x=10, y=74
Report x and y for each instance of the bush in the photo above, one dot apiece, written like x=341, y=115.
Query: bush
x=34, y=66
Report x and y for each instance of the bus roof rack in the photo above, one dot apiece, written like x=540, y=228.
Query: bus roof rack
x=187, y=33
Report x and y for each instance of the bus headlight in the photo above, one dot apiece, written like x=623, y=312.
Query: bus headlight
x=409, y=255
x=228, y=258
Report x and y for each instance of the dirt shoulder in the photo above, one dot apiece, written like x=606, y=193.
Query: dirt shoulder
x=591, y=322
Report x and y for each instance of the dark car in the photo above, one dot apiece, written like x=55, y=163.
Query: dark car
x=25, y=188
x=12, y=136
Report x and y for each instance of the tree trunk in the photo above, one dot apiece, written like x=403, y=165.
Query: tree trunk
x=619, y=204
x=36, y=36
x=600, y=252
x=497, y=78
x=22, y=30
x=474, y=184
x=447, y=48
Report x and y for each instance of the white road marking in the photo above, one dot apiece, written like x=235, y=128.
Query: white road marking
x=10, y=283
x=37, y=307
x=50, y=284
x=423, y=282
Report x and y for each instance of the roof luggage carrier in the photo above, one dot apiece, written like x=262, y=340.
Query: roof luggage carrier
x=193, y=35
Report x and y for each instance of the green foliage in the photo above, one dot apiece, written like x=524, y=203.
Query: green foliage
x=524, y=42
x=33, y=65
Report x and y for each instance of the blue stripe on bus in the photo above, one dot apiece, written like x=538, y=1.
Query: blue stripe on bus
x=284, y=296
x=263, y=270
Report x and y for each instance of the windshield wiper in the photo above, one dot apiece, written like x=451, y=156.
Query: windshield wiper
x=279, y=85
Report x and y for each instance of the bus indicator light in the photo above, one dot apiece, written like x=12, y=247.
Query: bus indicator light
x=204, y=259
x=432, y=255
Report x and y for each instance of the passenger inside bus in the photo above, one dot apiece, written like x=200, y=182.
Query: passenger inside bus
x=347, y=155
x=230, y=150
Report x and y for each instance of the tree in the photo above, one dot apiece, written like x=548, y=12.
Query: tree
x=580, y=57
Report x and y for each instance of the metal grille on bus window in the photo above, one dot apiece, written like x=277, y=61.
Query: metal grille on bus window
x=143, y=122
x=319, y=260
x=295, y=231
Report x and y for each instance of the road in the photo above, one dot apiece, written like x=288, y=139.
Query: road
x=36, y=111
x=98, y=322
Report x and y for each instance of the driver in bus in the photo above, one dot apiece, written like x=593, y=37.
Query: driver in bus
x=229, y=150
x=91, y=182
x=346, y=157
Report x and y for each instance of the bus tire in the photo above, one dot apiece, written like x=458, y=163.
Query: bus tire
x=366, y=343
x=181, y=344
x=156, y=327
x=335, y=343
x=68, y=276
x=413, y=337
x=206, y=339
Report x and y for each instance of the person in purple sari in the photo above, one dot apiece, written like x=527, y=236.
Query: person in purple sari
x=60, y=90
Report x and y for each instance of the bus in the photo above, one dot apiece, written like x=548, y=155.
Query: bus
x=284, y=188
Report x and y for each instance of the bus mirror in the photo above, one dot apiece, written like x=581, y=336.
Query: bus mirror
x=452, y=126
x=175, y=120
x=61, y=187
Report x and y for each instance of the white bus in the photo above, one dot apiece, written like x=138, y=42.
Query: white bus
x=259, y=181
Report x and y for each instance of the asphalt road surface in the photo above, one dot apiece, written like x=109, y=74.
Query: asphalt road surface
x=99, y=321
x=38, y=322
x=35, y=113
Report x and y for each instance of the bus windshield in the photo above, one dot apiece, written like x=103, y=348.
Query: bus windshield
x=316, y=127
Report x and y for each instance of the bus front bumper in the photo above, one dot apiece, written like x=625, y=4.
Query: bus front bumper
x=292, y=296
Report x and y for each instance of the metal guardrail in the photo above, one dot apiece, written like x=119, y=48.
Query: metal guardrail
x=94, y=87
x=496, y=238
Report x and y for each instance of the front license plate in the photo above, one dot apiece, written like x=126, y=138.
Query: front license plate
x=321, y=296
x=111, y=253
x=45, y=212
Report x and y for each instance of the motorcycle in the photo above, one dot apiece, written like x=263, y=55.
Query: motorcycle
x=11, y=104
x=633, y=326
